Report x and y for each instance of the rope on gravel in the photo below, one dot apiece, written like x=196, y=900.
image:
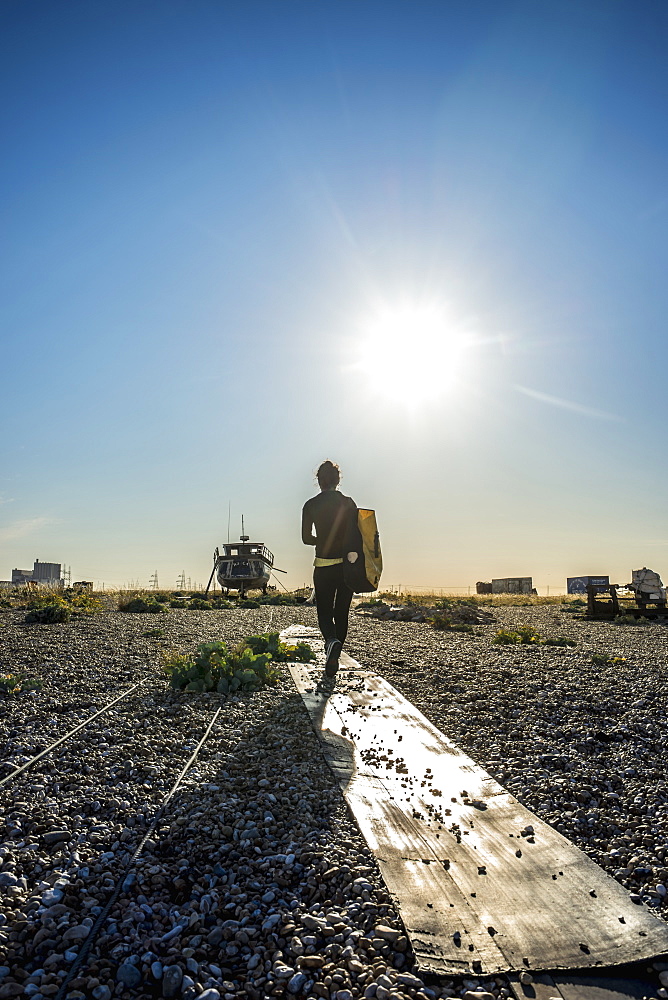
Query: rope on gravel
x=95, y=929
x=67, y=736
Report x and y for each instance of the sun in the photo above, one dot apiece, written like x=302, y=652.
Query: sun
x=411, y=353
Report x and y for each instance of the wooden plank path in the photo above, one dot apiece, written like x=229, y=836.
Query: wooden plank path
x=482, y=885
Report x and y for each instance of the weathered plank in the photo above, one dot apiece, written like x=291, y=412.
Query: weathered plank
x=477, y=890
x=584, y=986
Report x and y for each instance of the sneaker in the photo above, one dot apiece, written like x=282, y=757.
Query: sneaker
x=333, y=650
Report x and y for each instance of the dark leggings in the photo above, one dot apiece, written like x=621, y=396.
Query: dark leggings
x=333, y=598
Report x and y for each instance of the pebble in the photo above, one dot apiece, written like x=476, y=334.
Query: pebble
x=296, y=983
x=129, y=975
x=172, y=978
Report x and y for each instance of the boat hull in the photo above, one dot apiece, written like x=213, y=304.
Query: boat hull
x=242, y=574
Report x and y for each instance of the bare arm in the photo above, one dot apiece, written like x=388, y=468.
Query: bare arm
x=308, y=538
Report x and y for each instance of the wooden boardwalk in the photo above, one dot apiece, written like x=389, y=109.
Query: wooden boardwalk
x=482, y=885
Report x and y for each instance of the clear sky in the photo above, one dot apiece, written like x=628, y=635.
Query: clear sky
x=427, y=240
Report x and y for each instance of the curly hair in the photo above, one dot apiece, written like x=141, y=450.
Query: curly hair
x=328, y=475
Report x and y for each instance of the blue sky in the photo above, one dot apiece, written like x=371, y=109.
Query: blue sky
x=207, y=206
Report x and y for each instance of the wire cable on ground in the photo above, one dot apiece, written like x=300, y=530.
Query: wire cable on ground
x=82, y=725
x=95, y=929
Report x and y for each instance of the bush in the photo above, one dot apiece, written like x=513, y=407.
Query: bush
x=605, y=660
x=529, y=636
x=281, y=652
x=140, y=605
x=198, y=604
x=523, y=636
x=214, y=667
x=51, y=608
x=247, y=603
x=445, y=624
x=16, y=683
x=48, y=614
x=631, y=620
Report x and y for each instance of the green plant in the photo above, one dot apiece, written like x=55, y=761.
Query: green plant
x=560, y=640
x=215, y=668
x=443, y=623
x=247, y=603
x=523, y=636
x=16, y=683
x=199, y=604
x=155, y=633
x=631, y=620
x=48, y=614
x=281, y=652
x=141, y=605
x=605, y=660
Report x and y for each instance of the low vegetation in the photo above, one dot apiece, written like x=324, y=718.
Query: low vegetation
x=480, y=600
x=55, y=606
x=17, y=683
x=631, y=620
x=606, y=660
x=142, y=606
x=527, y=635
x=443, y=623
x=215, y=667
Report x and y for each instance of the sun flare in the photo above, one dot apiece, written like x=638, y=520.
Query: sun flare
x=411, y=353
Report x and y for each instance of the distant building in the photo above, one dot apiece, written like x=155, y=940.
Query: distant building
x=45, y=573
x=513, y=585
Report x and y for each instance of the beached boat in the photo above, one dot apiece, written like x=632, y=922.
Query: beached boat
x=242, y=566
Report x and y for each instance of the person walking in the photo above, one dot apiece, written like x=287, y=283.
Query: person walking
x=334, y=517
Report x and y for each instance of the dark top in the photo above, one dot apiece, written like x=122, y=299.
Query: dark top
x=335, y=517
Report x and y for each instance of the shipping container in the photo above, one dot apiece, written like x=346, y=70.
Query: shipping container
x=513, y=585
x=579, y=584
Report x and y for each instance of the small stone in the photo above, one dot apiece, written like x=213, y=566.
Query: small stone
x=210, y=994
x=408, y=979
x=129, y=975
x=526, y=978
x=55, y=837
x=387, y=933
x=171, y=981
x=10, y=990
x=663, y=978
x=102, y=993
x=296, y=983
x=156, y=970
